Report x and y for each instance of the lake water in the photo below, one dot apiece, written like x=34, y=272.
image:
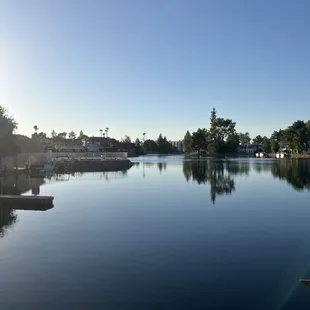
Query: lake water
x=166, y=234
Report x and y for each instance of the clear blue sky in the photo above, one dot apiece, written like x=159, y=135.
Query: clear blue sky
x=154, y=65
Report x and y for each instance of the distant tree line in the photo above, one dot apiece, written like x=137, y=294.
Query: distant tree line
x=295, y=138
x=8, y=125
x=59, y=136
x=222, y=137
x=160, y=146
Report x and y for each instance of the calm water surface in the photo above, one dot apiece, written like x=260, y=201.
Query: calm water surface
x=166, y=234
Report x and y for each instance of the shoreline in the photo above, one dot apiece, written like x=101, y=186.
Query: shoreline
x=244, y=155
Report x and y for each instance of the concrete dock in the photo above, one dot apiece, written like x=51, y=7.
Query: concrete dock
x=89, y=165
x=34, y=203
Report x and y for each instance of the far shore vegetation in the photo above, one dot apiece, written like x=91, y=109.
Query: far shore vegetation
x=12, y=144
x=222, y=138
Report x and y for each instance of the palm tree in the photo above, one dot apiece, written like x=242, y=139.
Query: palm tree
x=36, y=128
x=143, y=136
x=107, y=131
x=100, y=132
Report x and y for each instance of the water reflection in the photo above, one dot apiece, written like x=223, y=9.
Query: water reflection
x=150, y=165
x=7, y=219
x=15, y=185
x=161, y=166
x=295, y=172
x=108, y=175
x=264, y=166
x=218, y=174
x=19, y=184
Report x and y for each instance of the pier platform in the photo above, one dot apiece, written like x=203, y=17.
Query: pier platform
x=34, y=203
x=92, y=165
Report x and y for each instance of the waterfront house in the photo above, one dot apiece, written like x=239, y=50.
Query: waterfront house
x=123, y=147
x=248, y=148
x=69, y=145
x=102, y=144
x=97, y=144
x=47, y=143
x=92, y=146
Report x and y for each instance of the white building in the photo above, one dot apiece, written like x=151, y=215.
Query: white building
x=248, y=148
x=92, y=146
x=177, y=144
x=69, y=145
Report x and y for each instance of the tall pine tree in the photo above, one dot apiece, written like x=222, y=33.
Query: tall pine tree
x=213, y=125
x=187, y=143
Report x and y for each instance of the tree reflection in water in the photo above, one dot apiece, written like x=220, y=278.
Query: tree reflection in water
x=263, y=166
x=296, y=172
x=7, y=219
x=161, y=166
x=218, y=174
